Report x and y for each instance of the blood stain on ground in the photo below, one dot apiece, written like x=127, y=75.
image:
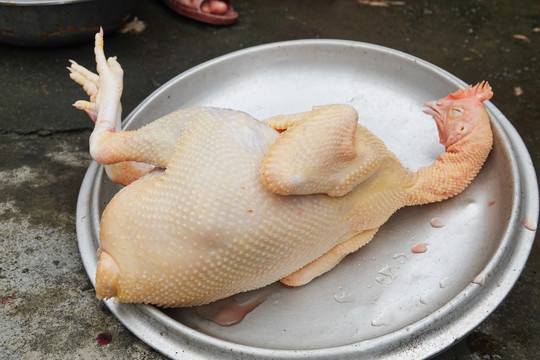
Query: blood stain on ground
x=104, y=338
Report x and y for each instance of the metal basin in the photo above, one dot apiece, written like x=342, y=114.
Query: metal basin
x=383, y=301
x=59, y=22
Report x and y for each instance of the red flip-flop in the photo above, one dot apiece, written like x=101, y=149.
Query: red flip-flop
x=195, y=12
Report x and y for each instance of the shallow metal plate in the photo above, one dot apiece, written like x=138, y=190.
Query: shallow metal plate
x=383, y=301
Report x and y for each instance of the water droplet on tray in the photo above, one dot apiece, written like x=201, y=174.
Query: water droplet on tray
x=529, y=223
x=426, y=299
x=419, y=248
x=437, y=222
x=445, y=282
x=227, y=312
x=402, y=258
x=479, y=280
x=385, y=276
x=344, y=297
x=383, y=319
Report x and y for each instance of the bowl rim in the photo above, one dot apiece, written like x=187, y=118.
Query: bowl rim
x=40, y=2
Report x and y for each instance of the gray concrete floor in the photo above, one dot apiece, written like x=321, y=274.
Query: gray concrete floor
x=48, y=307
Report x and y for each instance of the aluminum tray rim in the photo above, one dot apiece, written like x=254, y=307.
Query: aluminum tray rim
x=423, y=338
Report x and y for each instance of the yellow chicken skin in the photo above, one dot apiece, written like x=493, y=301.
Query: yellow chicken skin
x=218, y=203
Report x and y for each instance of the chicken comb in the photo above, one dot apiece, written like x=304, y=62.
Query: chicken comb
x=482, y=91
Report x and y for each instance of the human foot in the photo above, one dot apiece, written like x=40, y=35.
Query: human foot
x=216, y=12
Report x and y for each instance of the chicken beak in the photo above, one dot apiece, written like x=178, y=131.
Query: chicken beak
x=432, y=109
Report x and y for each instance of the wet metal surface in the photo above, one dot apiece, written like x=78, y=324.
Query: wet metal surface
x=48, y=307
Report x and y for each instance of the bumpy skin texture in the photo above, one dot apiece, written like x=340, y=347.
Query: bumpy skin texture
x=219, y=203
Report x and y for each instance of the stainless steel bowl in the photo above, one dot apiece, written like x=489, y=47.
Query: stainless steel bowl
x=399, y=305
x=59, y=22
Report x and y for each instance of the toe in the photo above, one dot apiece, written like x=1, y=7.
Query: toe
x=218, y=7
x=89, y=75
x=215, y=7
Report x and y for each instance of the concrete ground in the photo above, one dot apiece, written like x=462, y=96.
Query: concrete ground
x=48, y=307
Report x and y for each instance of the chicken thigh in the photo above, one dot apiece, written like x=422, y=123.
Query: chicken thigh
x=217, y=202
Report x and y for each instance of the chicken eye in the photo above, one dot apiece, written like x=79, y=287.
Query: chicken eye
x=456, y=112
